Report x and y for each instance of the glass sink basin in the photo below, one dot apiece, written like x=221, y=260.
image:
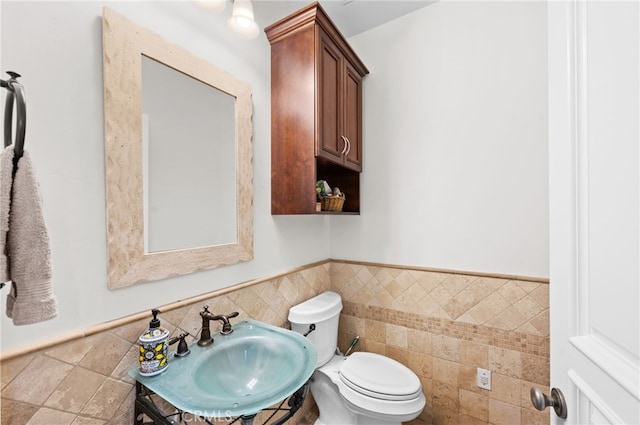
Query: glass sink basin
x=242, y=373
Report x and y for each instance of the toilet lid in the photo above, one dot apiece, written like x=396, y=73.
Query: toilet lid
x=379, y=376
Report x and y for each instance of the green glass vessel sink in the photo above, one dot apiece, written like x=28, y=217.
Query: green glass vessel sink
x=241, y=374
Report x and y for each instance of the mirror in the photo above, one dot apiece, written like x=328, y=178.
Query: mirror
x=188, y=161
x=178, y=148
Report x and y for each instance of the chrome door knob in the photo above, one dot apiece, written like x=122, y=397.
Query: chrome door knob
x=541, y=401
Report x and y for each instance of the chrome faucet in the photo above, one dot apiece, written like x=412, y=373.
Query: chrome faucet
x=205, y=334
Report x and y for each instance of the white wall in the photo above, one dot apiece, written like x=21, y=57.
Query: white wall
x=57, y=47
x=455, y=148
x=455, y=141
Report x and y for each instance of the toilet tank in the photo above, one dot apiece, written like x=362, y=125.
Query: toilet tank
x=323, y=311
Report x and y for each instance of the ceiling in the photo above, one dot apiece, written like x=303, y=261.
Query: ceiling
x=350, y=16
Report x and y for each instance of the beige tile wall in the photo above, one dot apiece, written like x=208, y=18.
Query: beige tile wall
x=444, y=326
x=85, y=381
x=441, y=325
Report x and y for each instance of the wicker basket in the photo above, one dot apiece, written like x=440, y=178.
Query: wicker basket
x=332, y=203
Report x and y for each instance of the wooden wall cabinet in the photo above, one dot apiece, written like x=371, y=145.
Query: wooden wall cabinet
x=316, y=112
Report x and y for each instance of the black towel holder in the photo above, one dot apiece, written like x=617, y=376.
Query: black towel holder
x=15, y=92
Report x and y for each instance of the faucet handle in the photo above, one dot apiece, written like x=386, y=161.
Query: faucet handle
x=183, y=348
x=226, y=326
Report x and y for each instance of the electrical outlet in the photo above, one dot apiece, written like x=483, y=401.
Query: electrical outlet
x=483, y=379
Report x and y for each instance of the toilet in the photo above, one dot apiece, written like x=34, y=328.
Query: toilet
x=360, y=389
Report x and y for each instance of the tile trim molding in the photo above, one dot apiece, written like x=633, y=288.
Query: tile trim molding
x=418, y=322
x=447, y=271
x=113, y=324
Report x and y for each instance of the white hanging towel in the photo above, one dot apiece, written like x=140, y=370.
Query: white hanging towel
x=31, y=299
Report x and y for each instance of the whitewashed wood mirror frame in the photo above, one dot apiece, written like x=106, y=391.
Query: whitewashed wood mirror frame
x=124, y=45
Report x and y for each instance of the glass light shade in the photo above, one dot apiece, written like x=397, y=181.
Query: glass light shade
x=241, y=21
x=212, y=5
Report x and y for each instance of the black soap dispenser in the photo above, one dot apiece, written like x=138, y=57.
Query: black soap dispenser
x=153, y=348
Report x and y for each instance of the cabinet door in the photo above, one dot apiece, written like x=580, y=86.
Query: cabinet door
x=329, y=141
x=352, y=117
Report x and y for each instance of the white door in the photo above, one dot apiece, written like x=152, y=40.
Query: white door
x=594, y=162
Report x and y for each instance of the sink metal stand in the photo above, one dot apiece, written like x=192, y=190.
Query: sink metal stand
x=146, y=405
x=247, y=420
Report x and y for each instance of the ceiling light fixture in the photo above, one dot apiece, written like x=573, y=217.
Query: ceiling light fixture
x=241, y=21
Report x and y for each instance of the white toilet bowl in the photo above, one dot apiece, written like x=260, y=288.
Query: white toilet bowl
x=366, y=389
x=361, y=389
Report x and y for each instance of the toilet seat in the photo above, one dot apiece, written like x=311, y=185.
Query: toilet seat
x=357, y=400
x=379, y=377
